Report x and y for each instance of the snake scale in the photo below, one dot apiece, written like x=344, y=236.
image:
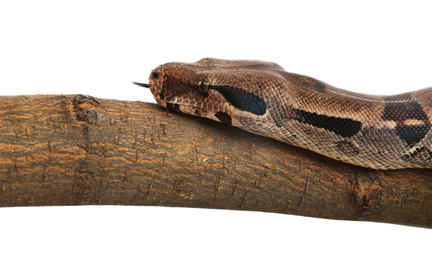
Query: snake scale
x=379, y=132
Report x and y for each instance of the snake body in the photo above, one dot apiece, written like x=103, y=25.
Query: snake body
x=379, y=132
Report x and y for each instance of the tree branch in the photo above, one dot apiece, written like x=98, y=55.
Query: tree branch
x=80, y=150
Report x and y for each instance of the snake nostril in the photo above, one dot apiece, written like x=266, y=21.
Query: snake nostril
x=154, y=75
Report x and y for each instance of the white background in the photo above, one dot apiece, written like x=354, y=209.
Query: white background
x=99, y=47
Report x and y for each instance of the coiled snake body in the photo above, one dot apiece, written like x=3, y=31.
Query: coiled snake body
x=379, y=132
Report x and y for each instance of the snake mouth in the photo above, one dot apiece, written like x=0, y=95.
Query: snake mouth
x=196, y=109
x=200, y=111
x=216, y=98
x=212, y=107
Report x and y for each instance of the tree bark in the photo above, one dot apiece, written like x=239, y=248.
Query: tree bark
x=80, y=150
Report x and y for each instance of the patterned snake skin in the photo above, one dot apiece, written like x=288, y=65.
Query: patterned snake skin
x=379, y=132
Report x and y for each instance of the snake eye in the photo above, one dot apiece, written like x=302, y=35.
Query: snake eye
x=203, y=89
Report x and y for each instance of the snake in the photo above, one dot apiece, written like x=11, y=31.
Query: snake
x=381, y=132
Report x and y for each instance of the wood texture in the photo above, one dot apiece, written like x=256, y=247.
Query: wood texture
x=80, y=150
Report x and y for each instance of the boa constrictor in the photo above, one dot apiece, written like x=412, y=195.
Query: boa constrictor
x=379, y=132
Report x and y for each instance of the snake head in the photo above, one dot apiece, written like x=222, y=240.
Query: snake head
x=222, y=90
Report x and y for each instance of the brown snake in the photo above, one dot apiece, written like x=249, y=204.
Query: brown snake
x=379, y=132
